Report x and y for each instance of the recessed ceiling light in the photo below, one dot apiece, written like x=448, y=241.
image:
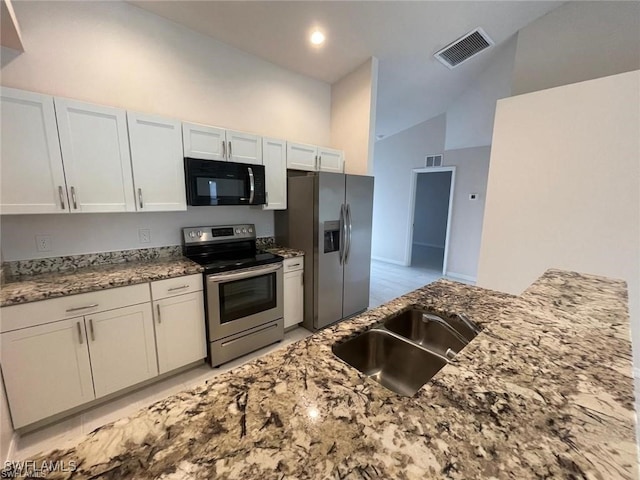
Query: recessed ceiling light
x=317, y=37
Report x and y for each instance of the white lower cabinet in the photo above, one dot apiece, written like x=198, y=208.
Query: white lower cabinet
x=122, y=348
x=46, y=370
x=293, y=291
x=180, y=330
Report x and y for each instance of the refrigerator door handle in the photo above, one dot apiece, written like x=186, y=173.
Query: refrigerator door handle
x=349, y=228
x=342, y=234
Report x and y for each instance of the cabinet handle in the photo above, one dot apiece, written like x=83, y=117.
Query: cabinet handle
x=75, y=309
x=294, y=265
x=173, y=289
x=158, y=310
x=266, y=199
x=79, y=333
x=315, y=165
x=230, y=151
x=224, y=150
x=61, y=197
x=73, y=198
x=319, y=162
x=93, y=335
x=140, y=198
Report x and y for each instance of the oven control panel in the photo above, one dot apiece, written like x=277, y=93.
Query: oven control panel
x=218, y=233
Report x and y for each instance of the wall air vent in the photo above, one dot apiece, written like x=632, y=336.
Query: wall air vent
x=464, y=48
x=433, y=160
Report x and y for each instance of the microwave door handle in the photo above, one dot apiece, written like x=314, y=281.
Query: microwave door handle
x=252, y=185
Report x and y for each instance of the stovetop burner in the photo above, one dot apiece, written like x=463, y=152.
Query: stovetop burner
x=224, y=248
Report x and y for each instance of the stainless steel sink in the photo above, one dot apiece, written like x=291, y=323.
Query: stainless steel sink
x=390, y=360
x=427, y=331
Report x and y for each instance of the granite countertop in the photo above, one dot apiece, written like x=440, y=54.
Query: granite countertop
x=542, y=392
x=41, y=286
x=285, y=252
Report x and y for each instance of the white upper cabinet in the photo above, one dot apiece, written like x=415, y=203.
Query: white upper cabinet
x=244, y=147
x=314, y=159
x=95, y=151
x=213, y=143
x=32, y=176
x=157, y=160
x=330, y=160
x=302, y=157
x=202, y=141
x=274, y=157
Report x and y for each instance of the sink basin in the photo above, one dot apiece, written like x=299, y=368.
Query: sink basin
x=429, y=334
x=391, y=361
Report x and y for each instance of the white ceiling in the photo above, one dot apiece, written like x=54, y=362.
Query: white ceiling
x=412, y=85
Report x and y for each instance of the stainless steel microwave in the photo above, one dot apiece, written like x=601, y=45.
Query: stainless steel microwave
x=211, y=182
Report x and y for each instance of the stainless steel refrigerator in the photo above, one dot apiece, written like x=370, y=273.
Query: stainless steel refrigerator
x=329, y=217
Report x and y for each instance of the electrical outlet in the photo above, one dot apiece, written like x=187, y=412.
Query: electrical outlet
x=144, y=235
x=43, y=243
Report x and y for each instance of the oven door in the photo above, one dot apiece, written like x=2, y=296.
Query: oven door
x=243, y=299
x=211, y=182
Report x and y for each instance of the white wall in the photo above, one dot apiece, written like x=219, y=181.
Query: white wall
x=470, y=116
x=116, y=54
x=431, y=209
x=353, y=117
x=472, y=170
x=394, y=159
x=90, y=233
x=577, y=41
x=564, y=187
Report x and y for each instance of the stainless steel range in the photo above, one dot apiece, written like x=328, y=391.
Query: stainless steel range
x=243, y=294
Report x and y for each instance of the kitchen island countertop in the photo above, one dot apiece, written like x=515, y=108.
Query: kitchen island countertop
x=541, y=392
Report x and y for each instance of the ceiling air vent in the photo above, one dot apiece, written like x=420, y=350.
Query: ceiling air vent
x=464, y=48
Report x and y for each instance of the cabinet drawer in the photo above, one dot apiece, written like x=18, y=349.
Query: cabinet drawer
x=45, y=311
x=293, y=264
x=176, y=286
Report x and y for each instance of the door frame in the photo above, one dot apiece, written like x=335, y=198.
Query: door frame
x=412, y=207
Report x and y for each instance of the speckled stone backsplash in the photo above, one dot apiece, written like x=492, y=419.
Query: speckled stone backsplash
x=265, y=242
x=13, y=270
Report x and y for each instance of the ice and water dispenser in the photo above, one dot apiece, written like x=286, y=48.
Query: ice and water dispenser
x=331, y=236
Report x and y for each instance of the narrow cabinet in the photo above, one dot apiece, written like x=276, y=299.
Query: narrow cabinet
x=274, y=157
x=95, y=151
x=122, y=347
x=46, y=370
x=157, y=160
x=293, y=291
x=31, y=172
x=213, y=143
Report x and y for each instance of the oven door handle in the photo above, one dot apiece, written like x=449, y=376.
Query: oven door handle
x=227, y=277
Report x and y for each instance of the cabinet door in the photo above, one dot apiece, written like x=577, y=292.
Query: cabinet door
x=95, y=152
x=180, y=331
x=244, y=147
x=31, y=173
x=293, y=298
x=122, y=347
x=46, y=370
x=331, y=160
x=274, y=156
x=302, y=157
x=158, y=165
x=202, y=141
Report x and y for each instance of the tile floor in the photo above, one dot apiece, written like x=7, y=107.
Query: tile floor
x=67, y=433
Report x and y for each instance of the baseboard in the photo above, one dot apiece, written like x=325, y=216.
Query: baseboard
x=468, y=278
x=388, y=260
x=12, y=448
x=422, y=244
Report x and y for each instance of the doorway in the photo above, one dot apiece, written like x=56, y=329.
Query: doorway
x=429, y=228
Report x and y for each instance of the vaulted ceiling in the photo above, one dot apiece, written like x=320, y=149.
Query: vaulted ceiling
x=412, y=85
